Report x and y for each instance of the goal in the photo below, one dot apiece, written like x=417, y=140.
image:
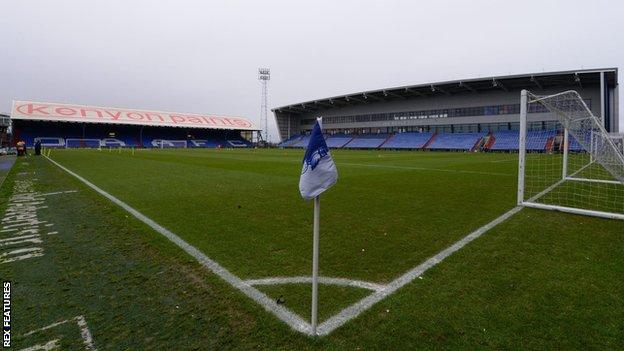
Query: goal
x=164, y=144
x=578, y=168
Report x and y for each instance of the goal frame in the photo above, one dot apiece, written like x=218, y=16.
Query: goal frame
x=531, y=202
x=160, y=143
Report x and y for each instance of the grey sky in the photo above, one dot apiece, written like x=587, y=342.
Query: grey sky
x=192, y=56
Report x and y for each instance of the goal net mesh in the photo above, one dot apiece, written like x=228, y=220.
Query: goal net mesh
x=590, y=175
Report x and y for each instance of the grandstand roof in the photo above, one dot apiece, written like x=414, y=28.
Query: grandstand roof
x=56, y=112
x=539, y=80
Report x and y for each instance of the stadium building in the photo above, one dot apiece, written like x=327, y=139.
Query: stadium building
x=5, y=123
x=63, y=125
x=470, y=114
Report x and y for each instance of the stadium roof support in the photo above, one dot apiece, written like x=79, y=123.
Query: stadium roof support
x=496, y=83
x=389, y=93
x=577, y=79
x=534, y=80
x=435, y=88
x=467, y=86
x=414, y=92
x=543, y=80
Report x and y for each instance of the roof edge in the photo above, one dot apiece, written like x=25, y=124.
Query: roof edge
x=456, y=81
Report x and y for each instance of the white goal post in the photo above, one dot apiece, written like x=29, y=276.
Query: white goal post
x=580, y=170
x=164, y=143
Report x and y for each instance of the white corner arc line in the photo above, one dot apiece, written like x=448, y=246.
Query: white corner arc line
x=323, y=280
x=357, y=308
x=288, y=317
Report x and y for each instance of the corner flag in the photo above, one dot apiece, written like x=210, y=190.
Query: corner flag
x=318, y=172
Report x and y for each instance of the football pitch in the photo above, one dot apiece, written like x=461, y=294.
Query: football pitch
x=211, y=249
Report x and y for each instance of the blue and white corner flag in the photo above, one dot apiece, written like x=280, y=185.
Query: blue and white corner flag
x=319, y=171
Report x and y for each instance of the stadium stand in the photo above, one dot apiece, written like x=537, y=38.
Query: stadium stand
x=367, y=141
x=81, y=126
x=574, y=145
x=77, y=135
x=506, y=140
x=455, y=141
x=407, y=141
x=290, y=141
x=509, y=140
x=337, y=141
x=537, y=139
x=301, y=142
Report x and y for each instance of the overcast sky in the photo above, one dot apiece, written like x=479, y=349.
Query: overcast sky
x=203, y=56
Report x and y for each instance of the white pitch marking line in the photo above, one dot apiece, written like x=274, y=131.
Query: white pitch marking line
x=291, y=319
x=46, y=327
x=288, y=317
x=323, y=280
x=498, y=161
x=426, y=169
x=85, y=333
x=60, y=192
x=357, y=308
x=50, y=345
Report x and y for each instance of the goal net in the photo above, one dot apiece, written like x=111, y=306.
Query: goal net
x=578, y=168
x=164, y=144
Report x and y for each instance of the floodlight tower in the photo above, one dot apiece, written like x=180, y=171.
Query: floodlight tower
x=264, y=75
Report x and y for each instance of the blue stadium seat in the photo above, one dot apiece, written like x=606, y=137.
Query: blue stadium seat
x=367, y=141
x=407, y=141
x=337, y=141
x=455, y=141
x=506, y=140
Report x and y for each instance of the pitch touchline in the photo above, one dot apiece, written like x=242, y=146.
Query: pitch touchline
x=291, y=319
x=288, y=317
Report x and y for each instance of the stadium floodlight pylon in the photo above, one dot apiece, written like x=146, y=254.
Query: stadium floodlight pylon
x=580, y=170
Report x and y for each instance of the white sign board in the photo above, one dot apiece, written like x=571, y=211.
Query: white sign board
x=46, y=111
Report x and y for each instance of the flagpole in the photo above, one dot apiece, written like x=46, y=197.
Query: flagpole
x=315, y=254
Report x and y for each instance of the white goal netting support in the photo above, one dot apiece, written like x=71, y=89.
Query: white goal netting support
x=578, y=169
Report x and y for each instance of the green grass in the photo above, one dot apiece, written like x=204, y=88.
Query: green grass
x=541, y=280
x=298, y=298
x=381, y=218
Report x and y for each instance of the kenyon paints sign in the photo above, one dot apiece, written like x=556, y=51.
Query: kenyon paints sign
x=37, y=111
